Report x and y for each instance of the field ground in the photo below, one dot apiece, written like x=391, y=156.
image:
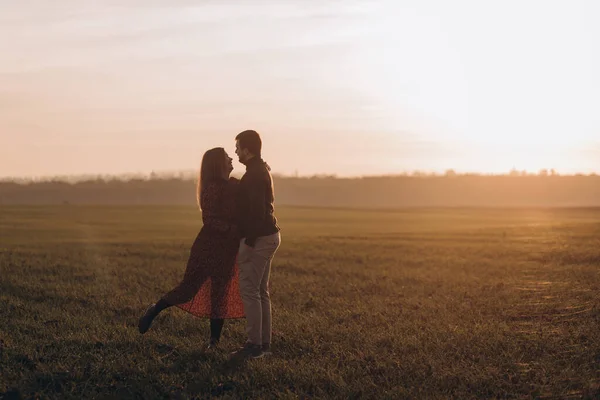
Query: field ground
x=414, y=303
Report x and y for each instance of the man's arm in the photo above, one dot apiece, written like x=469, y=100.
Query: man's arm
x=255, y=209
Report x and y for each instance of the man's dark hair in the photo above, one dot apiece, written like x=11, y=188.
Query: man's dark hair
x=250, y=140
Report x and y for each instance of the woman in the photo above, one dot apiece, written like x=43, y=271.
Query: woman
x=210, y=284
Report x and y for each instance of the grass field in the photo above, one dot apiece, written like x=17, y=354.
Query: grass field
x=424, y=304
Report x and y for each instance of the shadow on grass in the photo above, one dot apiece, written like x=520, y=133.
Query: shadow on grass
x=30, y=295
x=125, y=369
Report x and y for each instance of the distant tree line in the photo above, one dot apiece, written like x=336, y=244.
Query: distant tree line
x=416, y=189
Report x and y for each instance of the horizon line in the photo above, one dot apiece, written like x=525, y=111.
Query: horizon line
x=189, y=174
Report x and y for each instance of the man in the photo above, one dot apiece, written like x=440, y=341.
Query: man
x=260, y=240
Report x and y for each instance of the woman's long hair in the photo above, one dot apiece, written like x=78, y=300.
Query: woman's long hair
x=213, y=165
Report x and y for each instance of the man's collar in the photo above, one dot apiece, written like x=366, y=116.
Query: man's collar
x=256, y=160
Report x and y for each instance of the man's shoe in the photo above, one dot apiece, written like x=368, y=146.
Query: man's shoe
x=266, y=349
x=248, y=351
x=147, y=319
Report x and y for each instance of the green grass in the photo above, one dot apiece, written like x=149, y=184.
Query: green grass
x=455, y=303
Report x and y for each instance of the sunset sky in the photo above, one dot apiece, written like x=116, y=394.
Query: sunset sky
x=337, y=87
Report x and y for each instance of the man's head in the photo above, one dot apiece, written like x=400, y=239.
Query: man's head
x=248, y=145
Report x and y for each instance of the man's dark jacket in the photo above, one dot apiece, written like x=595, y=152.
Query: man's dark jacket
x=255, y=198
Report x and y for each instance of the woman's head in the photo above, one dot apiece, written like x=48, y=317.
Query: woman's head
x=216, y=165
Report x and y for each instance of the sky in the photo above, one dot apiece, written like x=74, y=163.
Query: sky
x=334, y=87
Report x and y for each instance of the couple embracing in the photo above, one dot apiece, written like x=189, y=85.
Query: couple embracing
x=227, y=274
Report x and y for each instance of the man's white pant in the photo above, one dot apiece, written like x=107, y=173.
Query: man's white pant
x=255, y=267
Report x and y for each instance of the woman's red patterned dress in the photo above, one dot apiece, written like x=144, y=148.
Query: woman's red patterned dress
x=210, y=286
